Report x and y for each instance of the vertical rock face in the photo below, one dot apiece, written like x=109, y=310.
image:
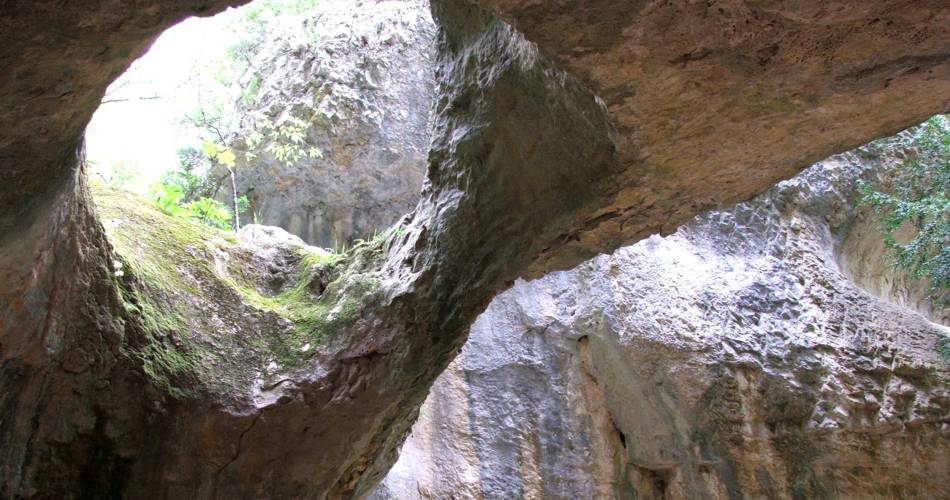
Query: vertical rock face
x=731, y=359
x=862, y=257
x=361, y=75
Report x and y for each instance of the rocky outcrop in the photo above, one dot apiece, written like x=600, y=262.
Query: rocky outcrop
x=864, y=258
x=712, y=102
x=361, y=77
x=535, y=164
x=732, y=359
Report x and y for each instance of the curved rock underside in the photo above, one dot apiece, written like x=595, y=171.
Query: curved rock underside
x=631, y=118
x=730, y=360
x=715, y=101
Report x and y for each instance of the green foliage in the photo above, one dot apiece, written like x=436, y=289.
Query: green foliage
x=249, y=93
x=225, y=130
x=170, y=200
x=286, y=140
x=180, y=193
x=244, y=205
x=210, y=212
x=919, y=200
x=943, y=346
x=221, y=154
x=114, y=174
x=190, y=175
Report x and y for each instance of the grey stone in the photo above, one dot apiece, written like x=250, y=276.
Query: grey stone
x=361, y=74
x=732, y=358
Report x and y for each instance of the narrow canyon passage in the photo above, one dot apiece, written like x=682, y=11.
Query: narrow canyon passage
x=558, y=132
x=731, y=358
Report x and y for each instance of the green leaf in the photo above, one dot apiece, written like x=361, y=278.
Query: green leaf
x=226, y=157
x=210, y=149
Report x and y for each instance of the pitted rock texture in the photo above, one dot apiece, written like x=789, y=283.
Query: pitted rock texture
x=713, y=102
x=361, y=75
x=732, y=359
x=534, y=165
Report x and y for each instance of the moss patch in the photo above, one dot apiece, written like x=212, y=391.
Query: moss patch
x=160, y=263
x=205, y=319
x=325, y=299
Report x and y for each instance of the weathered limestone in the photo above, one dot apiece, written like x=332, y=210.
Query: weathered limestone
x=361, y=75
x=732, y=359
x=714, y=101
x=535, y=164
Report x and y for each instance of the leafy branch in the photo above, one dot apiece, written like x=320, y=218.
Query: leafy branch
x=919, y=200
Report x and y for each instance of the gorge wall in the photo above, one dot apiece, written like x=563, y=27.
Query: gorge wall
x=360, y=75
x=559, y=131
x=732, y=359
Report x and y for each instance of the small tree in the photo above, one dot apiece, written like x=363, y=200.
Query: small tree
x=224, y=156
x=228, y=91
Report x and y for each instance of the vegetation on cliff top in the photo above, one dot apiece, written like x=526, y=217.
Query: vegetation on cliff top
x=210, y=102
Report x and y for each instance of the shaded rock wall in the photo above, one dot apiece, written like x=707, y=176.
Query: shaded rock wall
x=534, y=165
x=361, y=74
x=862, y=254
x=731, y=359
x=863, y=257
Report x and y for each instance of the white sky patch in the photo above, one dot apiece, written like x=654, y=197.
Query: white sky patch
x=144, y=134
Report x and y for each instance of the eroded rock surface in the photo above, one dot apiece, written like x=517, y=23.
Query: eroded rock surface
x=863, y=256
x=361, y=76
x=712, y=102
x=732, y=359
x=536, y=163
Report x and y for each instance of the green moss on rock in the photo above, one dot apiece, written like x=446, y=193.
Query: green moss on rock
x=205, y=318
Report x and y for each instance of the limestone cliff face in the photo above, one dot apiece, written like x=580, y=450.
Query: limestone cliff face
x=361, y=76
x=730, y=359
x=860, y=258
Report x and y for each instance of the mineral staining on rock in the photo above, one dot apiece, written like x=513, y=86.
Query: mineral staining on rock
x=731, y=359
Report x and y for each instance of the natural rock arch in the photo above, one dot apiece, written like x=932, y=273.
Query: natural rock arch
x=626, y=120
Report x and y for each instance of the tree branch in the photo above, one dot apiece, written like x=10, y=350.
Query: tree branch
x=146, y=98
